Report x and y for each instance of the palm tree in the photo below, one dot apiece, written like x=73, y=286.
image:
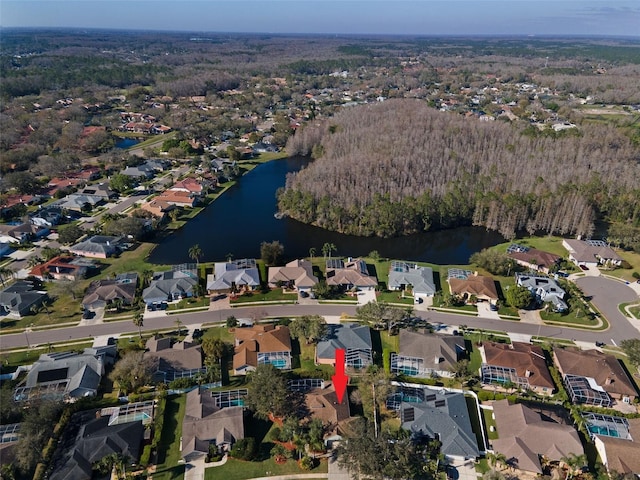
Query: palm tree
x=4, y=273
x=574, y=463
x=327, y=248
x=179, y=324
x=312, y=252
x=195, y=252
x=138, y=321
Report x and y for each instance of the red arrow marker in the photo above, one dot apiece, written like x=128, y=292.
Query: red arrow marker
x=340, y=380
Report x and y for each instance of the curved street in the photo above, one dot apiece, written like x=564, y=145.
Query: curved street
x=606, y=296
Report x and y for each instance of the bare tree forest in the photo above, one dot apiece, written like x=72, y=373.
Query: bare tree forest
x=400, y=167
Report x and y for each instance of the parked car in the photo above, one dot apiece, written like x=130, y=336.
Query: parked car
x=584, y=267
x=600, y=344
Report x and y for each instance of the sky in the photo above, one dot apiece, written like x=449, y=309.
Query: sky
x=411, y=17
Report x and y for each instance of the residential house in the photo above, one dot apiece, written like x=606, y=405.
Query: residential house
x=442, y=416
x=297, y=274
x=62, y=267
x=174, y=360
x=591, y=253
x=190, y=185
x=515, y=365
x=469, y=286
x=353, y=338
x=103, y=293
x=20, y=299
x=66, y=375
x=206, y=423
x=139, y=172
x=170, y=285
x=411, y=278
x=261, y=344
x=424, y=354
x=617, y=443
x=79, y=202
x=593, y=377
x=234, y=276
x=532, y=258
x=23, y=232
x=543, y=290
x=178, y=198
x=95, y=440
x=322, y=403
x=98, y=246
x=100, y=190
x=46, y=217
x=349, y=275
x=524, y=436
x=158, y=208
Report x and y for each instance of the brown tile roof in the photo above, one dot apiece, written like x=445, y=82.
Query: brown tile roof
x=523, y=357
x=533, y=255
x=623, y=455
x=323, y=404
x=478, y=285
x=605, y=369
x=298, y=271
x=523, y=435
x=259, y=338
x=176, y=197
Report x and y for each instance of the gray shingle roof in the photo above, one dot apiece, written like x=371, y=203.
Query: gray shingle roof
x=430, y=346
x=227, y=274
x=346, y=336
x=449, y=421
x=420, y=278
x=169, y=284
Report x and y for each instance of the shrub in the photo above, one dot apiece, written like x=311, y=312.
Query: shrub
x=307, y=463
x=244, y=449
x=635, y=275
x=145, y=458
x=184, y=382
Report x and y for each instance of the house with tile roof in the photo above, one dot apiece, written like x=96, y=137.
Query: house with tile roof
x=179, y=198
x=353, y=338
x=322, y=403
x=442, y=416
x=472, y=286
x=62, y=267
x=515, y=365
x=410, y=277
x=424, y=354
x=524, y=436
x=261, y=344
x=591, y=253
x=169, y=286
x=532, y=258
x=350, y=274
x=20, y=299
x=620, y=453
x=593, y=377
x=297, y=274
x=234, y=276
x=206, y=423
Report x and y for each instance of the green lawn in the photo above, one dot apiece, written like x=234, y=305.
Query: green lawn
x=489, y=422
x=635, y=311
x=394, y=297
x=570, y=318
x=189, y=303
x=241, y=470
x=270, y=296
x=168, y=467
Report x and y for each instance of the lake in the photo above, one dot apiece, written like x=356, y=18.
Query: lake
x=126, y=142
x=243, y=217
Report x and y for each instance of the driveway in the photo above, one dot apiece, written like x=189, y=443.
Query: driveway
x=366, y=296
x=606, y=294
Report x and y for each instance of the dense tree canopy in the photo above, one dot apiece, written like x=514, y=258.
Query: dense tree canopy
x=310, y=327
x=400, y=167
x=268, y=393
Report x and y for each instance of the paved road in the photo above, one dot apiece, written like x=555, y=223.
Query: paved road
x=606, y=295
x=89, y=222
x=113, y=328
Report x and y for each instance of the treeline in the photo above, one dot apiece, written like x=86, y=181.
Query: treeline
x=399, y=167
